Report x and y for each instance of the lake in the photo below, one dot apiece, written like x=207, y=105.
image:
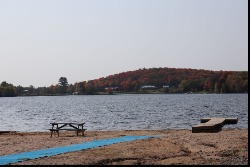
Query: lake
x=121, y=112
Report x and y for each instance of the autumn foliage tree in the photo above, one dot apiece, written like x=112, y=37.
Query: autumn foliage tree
x=7, y=90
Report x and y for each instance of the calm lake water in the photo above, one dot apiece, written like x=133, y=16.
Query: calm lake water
x=121, y=112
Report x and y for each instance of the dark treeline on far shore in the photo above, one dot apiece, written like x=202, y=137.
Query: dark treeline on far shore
x=152, y=80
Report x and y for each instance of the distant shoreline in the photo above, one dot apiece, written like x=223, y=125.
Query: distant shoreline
x=128, y=93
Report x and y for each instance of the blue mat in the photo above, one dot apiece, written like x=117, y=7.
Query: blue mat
x=12, y=158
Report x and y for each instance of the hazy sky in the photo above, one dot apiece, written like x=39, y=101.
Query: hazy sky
x=43, y=40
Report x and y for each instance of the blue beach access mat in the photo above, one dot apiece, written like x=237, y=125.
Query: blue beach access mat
x=12, y=158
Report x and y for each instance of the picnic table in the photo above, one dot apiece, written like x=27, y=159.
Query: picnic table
x=68, y=126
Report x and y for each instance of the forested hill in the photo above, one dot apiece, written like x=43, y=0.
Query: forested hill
x=178, y=80
x=164, y=80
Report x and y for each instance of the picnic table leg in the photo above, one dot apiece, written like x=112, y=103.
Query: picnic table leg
x=78, y=127
x=54, y=131
x=81, y=129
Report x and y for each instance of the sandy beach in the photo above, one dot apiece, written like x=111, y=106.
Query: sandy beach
x=173, y=147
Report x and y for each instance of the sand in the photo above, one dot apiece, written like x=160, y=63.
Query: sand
x=174, y=147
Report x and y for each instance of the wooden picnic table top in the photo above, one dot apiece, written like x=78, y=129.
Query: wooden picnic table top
x=72, y=123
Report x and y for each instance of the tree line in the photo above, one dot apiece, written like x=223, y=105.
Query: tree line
x=177, y=81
